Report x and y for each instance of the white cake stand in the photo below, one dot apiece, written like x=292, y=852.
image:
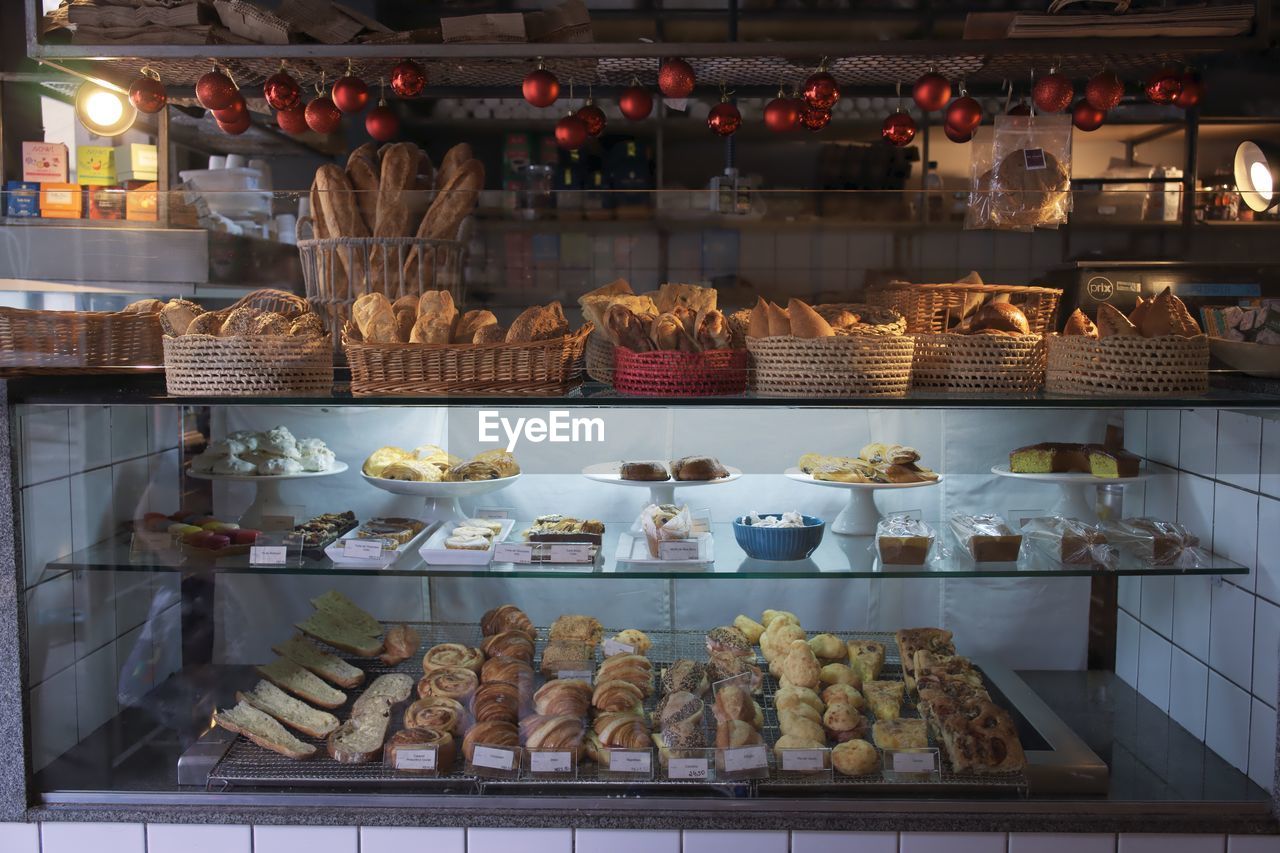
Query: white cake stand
x=862, y=515
x=441, y=499
x=660, y=491
x=268, y=491
x=1074, y=499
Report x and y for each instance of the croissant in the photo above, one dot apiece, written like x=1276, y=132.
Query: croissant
x=617, y=696
x=624, y=730
x=451, y=682
x=552, y=732
x=452, y=654
x=493, y=733
x=508, y=644
x=494, y=701
x=507, y=670
x=508, y=617
x=563, y=697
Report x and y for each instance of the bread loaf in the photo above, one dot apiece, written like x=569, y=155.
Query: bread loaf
x=431, y=330
x=262, y=729
x=209, y=323
x=405, y=320
x=625, y=328
x=999, y=317
x=362, y=172
x=408, y=302
x=176, y=316
x=539, y=323
x=712, y=331
x=329, y=667
x=301, y=682
x=452, y=161
x=494, y=334
x=470, y=323
x=1079, y=324
x=807, y=323
x=318, y=228
x=692, y=296
x=295, y=714
x=375, y=319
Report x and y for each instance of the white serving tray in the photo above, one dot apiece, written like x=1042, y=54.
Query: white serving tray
x=334, y=551
x=435, y=554
x=634, y=549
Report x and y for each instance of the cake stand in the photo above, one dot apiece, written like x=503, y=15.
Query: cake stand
x=861, y=515
x=660, y=491
x=268, y=488
x=441, y=499
x=1073, y=501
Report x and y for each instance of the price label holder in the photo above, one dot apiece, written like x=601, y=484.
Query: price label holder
x=627, y=765
x=805, y=765
x=494, y=762
x=561, y=764
x=149, y=547
x=577, y=671
x=497, y=513
x=700, y=521
x=420, y=761
x=690, y=765
x=912, y=765
x=509, y=552
x=680, y=550
x=742, y=681
x=364, y=549
x=281, y=518
x=742, y=762
x=271, y=551
x=570, y=553
x=612, y=647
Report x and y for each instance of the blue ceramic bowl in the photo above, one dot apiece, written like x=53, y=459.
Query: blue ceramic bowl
x=779, y=543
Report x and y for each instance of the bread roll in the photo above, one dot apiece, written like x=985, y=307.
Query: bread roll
x=269, y=323
x=1113, y=323
x=779, y=322
x=470, y=323
x=1140, y=311
x=668, y=333
x=999, y=317
x=404, y=324
x=1168, y=315
x=494, y=334
x=712, y=331
x=239, y=322
x=430, y=330
x=625, y=328
x=758, y=325
x=143, y=306
x=437, y=305
x=807, y=323
x=539, y=323
x=408, y=302
x=1079, y=324
x=209, y=323
x=176, y=316
x=375, y=319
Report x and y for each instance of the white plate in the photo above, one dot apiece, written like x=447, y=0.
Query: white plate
x=434, y=553
x=466, y=488
x=801, y=477
x=635, y=549
x=334, y=551
x=608, y=472
x=338, y=468
x=1072, y=478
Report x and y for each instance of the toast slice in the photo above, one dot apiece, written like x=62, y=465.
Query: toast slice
x=327, y=628
x=359, y=740
x=287, y=675
x=264, y=730
x=384, y=692
x=295, y=714
x=331, y=668
x=348, y=611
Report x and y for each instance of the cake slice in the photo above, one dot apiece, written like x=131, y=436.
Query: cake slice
x=295, y=714
x=884, y=698
x=262, y=729
x=329, y=667
x=1104, y=462
x=287, y=675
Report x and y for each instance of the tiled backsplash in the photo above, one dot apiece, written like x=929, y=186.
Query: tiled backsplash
x=97, y=639
x=1205, y=649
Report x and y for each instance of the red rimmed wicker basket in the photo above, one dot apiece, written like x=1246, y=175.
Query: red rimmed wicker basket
x=33, y=341
x=1122, y=366
x=933, y=308
x=978, y=364
x=665, y=373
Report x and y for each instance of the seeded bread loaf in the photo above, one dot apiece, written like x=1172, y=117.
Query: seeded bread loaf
x=287, y=675
x=295, y=714
x=329, y=667
x=262, y=729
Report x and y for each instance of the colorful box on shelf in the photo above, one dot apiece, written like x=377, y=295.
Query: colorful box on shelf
x=61, y=201
x=137, y=162
x=96, y=165
x=44, y=162
x=21, y=199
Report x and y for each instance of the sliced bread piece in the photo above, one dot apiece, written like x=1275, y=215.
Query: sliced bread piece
x=327, y=628
x=359, y=740
x=294, y=713
x=348, y=611
x=287, y=675
x=384, y=692
x=262, y=729
x=331, y=668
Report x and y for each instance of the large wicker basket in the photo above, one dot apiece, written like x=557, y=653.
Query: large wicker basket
x=979, y=364
x=931, y=308
x=1122, y=366
x=840, y=366
x=666, y=373
x=599, y=357
x=536, y=368
x=874, y=320
x=78, y=341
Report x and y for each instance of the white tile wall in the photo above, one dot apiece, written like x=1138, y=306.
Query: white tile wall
x=399, y=839
x=1195, y=506
x=91, y=437
x=1270, y=484
x=20, y=837
x=50, y=628
x=1188, y=692
x=944, y=842
x=98, y=837
x=1239, y=446
x=1154, y=654
x=46, y=445
x=1127, y=648
x=524, y=840
x=198, y=838
x=1190, y=616
x=95, y=689
x=1262, y=744
x=1253, y=844
x=1157, y=604
x=1227, y=721
x=41, y=541
x=92, y=518
x=843, y=842
x=622, y=841
x=1162, y=436
x=1157, y=843
x=1235, y=528
x=1268, y=573
x=1266, y=650
x=312, y=839
x=1198, y=445
x=1231, y=645
x=1048, y=843
x=129, y=432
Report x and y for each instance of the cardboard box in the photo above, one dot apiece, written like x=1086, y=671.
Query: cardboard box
x=141, y=201
x=21, y=199
x=61, y=201
x=107, y=202
x=44, y=162
x=96, y=166
x=137, y=162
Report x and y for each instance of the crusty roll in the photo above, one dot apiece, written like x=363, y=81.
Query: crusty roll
x=470, y=323
x=1113, y=323
x=1079, y=324
x=539, y=323
x=404, y=325
x=758, y=325
x=668, y=333
x=779, y=322
x=625, y=328
x=1166, y=314
x=999, y=317
x=807, y=323
x=712, y=330
x=494, y=334
x=1140, y=311
x=375, y=319
x=177, y=315
x=408, y=302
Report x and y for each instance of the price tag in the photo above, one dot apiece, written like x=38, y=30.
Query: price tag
x=510, y=553
x=612, y=647
x=550, y=762
x=268, y=555
x=416, y=759
x=1033, y=158
x=362, y=549
x=280, y=518
x=629, y=762
x=687, y=768
x=745, y=758
x=493, y=757
x=571, y=553
x=802, y=760
x=492, y=512
x=915, y=762
x=577, y=674
x=678, y=549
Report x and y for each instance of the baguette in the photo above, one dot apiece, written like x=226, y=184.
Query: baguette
x=392, y=217
x=287, y=675
x=453, y=203
x=453, y=160
x=341, y=213
x=318, y=229
x=331, y=629
x=264, y=730
x=362, y=172
x=269, y=699
x=329, y=667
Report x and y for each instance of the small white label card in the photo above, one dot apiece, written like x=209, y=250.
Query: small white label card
x=1033, y=159
x=804, y=760
x=362, y=549
x=748, y=761
x=689, y=769
x=494, y=512
x=676, y=550
x=494, y=761
x=278, y=518
x=416, y=760
x=578, y=674
x=631, y=762
x=505, y=552
x=556, y=763
x=915, y=762
x=570, y=552
x=612, y=647
x=268, y=555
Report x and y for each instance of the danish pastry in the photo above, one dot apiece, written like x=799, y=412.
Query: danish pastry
x=451, y=682
x=451, y=655
x=508, y=617
x=492, y=733
x=437, y=712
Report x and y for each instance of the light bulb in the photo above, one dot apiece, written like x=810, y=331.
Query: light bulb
x=1260, y=178
x=104, y=108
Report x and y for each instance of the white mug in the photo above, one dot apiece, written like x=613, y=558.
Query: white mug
x=236, y=161
x=217, y=161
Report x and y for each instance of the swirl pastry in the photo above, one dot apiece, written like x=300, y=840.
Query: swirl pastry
x=678, y=709
x=452, y=655
x=736, y=733
x=437, y=712
x=729, y=640
x=423, y=738
x=617, y=696
x=685, y=675
x=844, y=722
x=552, y=732
x=451, y=682
x=563, y=697
x=491, y=733
x=508, y=644
x=508, y=617
x=573, y=626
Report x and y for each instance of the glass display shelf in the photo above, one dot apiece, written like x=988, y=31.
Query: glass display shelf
x=838, y=556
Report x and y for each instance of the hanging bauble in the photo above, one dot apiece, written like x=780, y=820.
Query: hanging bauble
x=593, y=117
x=676, y=78
x=235, y=127
x=540, y=87
x=408, y=79
x=571, y=132
x=931, y=91
x=1164, y=86
x=1191, y=92
x=956, y=135
x=293, y=120
x=898, y=129
x=1104, y=91
x=815, y=119
x=147, y=93
x=724, y=119
x=234, y=114
x=635, y=102
x=382, y=123
x=964, y=114
x=1052, y=93
x=282, y=91
x=1022, y=108
x=1085, y=116
x=215, y=90
x=323, y=115
x=821, y=91
x=783, y=114
x=350, y=94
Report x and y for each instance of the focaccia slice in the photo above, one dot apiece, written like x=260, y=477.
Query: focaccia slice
x=900, y=734
x=884, y=698
x=912, y=640
x=982, y=739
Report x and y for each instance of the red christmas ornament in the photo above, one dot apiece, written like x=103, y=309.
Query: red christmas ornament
x=323, y=115
x=282, y=91
x=234, y=114
x=541, y=88
x=821, y=91
x=815, y=119
x=635, y=102
x=408, y=79
x=783, y=114
x=964, y=114
x=593, y=117
x=235, y=127
x=1188, y=96
x=382, y=123
x=931, y=92
x=1104, y=91
x=1022, y=108
x=676, y=78
x=898, y=129
x=1164, y=86
x=350, y=94
x=215, y=91
x=1086, y=116
x=1052, y=93
x=957, y=135
x=571, y=132
x=293, y=120
x=147, y=94
x=724, y=119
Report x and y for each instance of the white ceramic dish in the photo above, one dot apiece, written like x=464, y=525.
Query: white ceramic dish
x=441, y=499
x=861, y=516
x=336, y=553
x=434, y=553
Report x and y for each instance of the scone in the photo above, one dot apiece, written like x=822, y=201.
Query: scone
x=855, y=758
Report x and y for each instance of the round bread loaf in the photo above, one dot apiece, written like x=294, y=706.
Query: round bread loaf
x=645, y=471
x=1000, y=317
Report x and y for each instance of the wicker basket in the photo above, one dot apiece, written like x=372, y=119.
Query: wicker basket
x=78, y=341
x=932, y=308
x=978, y=364
x=666, y=373
x=599, y=357
x=536, y=368
x=247, y=366
x=339, y=270
x=840, y=366
x=876, y=320
x=1122, y=366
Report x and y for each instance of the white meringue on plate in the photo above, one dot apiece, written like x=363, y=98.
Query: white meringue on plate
x=276, y=465
x=232, y=465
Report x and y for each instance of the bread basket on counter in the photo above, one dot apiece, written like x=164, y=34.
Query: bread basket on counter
x=669, y=373
x=874, y=319
x=1127, y=366
x=934, y=308
x=33, y=341
x=979, y=364
x=599, y=357
x=839, y=366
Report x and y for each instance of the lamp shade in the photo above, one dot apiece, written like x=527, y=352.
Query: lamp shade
x=1257, y=172
x=104, y=112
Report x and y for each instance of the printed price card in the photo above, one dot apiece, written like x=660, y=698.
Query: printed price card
x=678, y=549
x=362, y=549
x=268, y=555
x=570, y=553
x=548, y=761
x=745, y=758
x=803, y=760
x=612, y=647
x=494, y=758
x=494, y=512
x=630, y=761
x=416, y=759
x=692, y=769
x=512, y=553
